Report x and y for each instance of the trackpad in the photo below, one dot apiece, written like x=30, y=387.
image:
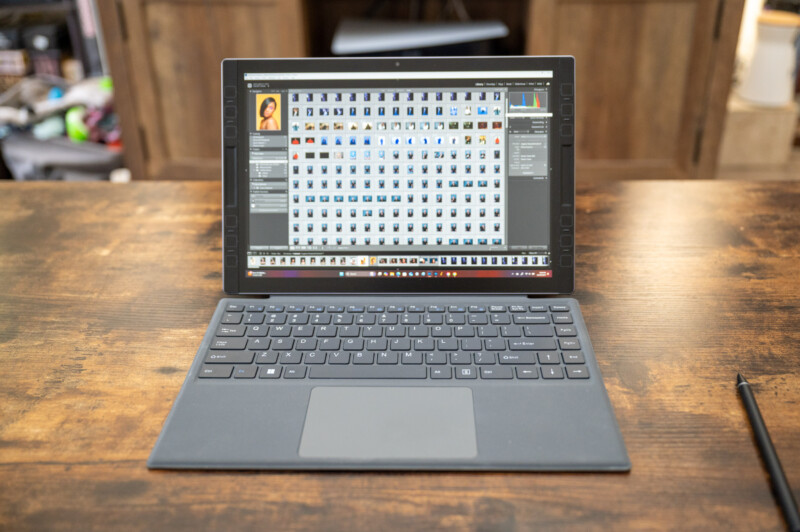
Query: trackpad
x=364, y=423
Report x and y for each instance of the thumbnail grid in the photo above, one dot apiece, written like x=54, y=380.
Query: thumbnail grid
x=415, y=167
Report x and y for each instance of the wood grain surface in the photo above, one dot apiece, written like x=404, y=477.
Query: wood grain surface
x=105, y=291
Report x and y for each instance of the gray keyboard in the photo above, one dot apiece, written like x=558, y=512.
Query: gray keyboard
x=269, y=341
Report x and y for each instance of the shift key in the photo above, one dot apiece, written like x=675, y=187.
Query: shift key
x=229, y=343
x=229, y=357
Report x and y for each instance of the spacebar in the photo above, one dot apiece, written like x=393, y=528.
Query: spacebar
x=368, y=372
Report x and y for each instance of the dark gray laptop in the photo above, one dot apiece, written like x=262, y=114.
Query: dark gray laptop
x=390, y=227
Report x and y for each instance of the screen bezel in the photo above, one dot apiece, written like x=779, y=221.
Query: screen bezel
x=235, y=183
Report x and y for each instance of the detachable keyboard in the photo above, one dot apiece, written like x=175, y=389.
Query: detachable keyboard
x=262, y=340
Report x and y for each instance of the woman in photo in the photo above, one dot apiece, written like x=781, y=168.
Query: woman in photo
x=268, y=107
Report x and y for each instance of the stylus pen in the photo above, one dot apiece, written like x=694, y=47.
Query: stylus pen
x=780, y=486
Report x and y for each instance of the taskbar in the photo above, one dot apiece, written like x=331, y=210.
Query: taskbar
x=382, y=274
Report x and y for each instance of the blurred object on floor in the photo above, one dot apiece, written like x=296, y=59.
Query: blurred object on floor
x=757, y=136
x=770, y=77
x=30, y=159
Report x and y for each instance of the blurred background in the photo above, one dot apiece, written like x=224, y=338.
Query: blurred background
x=129, y=89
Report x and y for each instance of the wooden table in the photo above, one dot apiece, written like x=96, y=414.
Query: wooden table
x=105, y=291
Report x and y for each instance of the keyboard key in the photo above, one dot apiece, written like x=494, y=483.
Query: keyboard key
x=387, y=358
x=396, y=308
x=456, y=308
x=436, y=358
x=441, y=373
x=355, y=309
x=234, y=344
x=527, y=319
x=376, y=344
x=400, y=344
x=297, y=319
x=549, y=357
x=495, y=344
x=231, y=330
x=320, y=319
x=410, y=357
x=395, y=331
x=455, y=319
x=303, y=331
x=497, y=308
x=464, y=331
x=291, y=357
x=316, y=308
x=335, y=309
x=527, y=373
x=276, y=319
x=552, y=372
x=460, y=358
x=416, y=308
x=353, y=344
x=516, y=358
x=488, y=331
x=330, y=344
x=306, y=344
x=423, y=344
x=269, y=372
x=266, y=357
x=441, y=331
x=517, y=308
x=466, y=373
x=275, y=308
x=510, y=331
x=349, y=331
x=338, y=357
x=436, y=308
x=365, y=319
x=418, y=331
x=368, y=372
x=501, y=319
x=245, y=372
x=314, y=357
x=410, y=319
x=282, y=344
x=573, y=357
x=562, y=318
x=255, y=308
x=388, y=319
x=537, y=330
x=559, y=308
x=577, y=372
x=566, y=330
x=499, y=372
x=372, y=331
x=229, y=357
x=257, y=330
x=569, y=344
x=376, y=308
x=537, y=308
x=258, y=344
x=215, y=372
x=232, y=318
x=234, y=307
x=447, y=344
x=476, y=308
x=326, y=331
x=296, y=308
x=484, y=358
x=471, y=344
x=432, y=319
x=532, y=344
x=297, y=372
x=477, y=319
x=342, y=319
x=363, y=357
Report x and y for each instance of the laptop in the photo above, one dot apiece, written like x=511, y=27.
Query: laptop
x=398, y=236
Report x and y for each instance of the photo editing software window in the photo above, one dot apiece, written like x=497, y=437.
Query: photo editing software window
x=399, y=174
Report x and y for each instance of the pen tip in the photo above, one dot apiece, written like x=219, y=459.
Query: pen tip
x=739, y=379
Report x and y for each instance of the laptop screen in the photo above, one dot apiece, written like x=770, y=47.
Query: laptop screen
x=394, y=176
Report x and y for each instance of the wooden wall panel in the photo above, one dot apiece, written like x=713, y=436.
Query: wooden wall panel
x=172, y=51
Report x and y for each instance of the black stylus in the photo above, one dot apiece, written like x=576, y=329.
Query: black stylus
x=780, y=486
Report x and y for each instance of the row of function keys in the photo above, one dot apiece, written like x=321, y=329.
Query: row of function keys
x=391, y=372
x=255, y=318
x=396, y=344
x=240, y=307
x=391, y=357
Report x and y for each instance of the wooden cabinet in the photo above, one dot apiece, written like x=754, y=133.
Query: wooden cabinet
x=652, y=80
x=165, y=60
